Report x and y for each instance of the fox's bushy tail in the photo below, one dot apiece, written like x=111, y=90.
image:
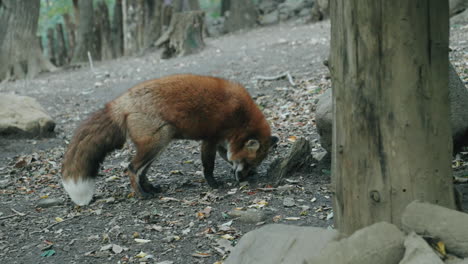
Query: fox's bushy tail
x=92, y=141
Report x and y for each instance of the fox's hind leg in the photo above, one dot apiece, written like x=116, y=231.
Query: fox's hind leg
x=150, y=138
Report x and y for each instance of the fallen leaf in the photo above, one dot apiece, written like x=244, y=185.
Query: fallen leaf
x=58, y=219
x=48, y=253
x=141, y=255
x=142, y=241
x=201, y=255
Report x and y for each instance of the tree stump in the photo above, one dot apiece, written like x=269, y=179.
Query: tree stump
x=184, y=35
x=298, y=158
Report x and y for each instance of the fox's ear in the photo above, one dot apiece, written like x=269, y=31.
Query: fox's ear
x=273, y=141
x=252, y=145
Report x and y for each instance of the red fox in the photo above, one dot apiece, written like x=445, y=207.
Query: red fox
x=218, y=112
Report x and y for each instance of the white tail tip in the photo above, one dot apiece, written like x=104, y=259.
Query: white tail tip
x=81, y=191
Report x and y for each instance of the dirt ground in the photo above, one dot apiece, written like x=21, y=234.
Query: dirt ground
x=188, y=222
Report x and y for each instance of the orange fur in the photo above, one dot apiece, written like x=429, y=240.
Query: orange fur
x=219, y=112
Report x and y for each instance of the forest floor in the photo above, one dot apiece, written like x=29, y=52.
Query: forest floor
x=188, y=222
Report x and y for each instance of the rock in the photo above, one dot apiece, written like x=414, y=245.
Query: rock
x=49, y=202
x=437, y=221
x=458, y=106
x=23, y=115
x=4, y=184
x=248, y=216
x=297, y=159
x=290, y=8
x=270, y=18
x=289, y=202
x=320, y=11
x=277, y=243
x=417, y=251
x=379, y=243
x=457, y=6
x=323, y=119
x=460, y=18
x=458, y=95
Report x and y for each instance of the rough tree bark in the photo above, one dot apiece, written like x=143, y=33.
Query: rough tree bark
x=225, y=6
x=117, y=30
x=62, y=55
x=20, y=54
x=103, y=22
x=71, y=34
x=185, y=5
x=242, y=14
x=133, y=26
x=184, y=35
x=391, y=131
x=86, y=41
x=51, y=51
x=153, y=22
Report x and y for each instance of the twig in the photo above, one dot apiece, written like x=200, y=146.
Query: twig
x=54, y=224
x=271, y=78
x=90, y=61
x=17, y=213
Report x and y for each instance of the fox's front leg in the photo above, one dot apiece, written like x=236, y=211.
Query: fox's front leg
x=208, y=155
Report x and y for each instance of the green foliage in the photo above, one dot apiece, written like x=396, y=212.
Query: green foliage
x=52, y=11
x=211, y=7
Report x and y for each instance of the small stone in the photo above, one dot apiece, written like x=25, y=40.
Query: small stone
x=49, y=202
x=4, y=184
x=289, y=202
x=249, y=216
x=169, y=239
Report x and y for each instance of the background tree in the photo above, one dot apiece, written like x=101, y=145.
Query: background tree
x=20, y=53
x=242, y=14
x=86, y=41
x=391, y=131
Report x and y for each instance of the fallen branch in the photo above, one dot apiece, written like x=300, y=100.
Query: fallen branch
x=17, y=213
x=272, y=78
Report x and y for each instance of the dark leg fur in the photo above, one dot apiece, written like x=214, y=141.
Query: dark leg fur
x=208, y=155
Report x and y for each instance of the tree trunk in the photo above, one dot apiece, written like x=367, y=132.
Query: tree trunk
x=104, y=31
x=153, y=22
x=185, y=5
x=51, y=46
x=242, y=14
x=76, y=12
x=391, y=131
x=184, y=35
x=133, y=29
x=86, y=33
x=225, y=6
x=62, y=57
x=166, y=15
x=71, y=34
x=20, y=54
x=117, y=30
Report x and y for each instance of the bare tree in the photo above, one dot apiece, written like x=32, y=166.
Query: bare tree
x=86, y=33
x=20, y=54
x=391, y=131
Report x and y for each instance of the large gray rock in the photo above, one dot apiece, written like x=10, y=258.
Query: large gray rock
x=323, y=119
x=417, y=251
x=23, y=115
x=460, y=18
x=278, y=243
x=458, y=108
x=437, y=221
x=457, y=6
x=379, y=243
